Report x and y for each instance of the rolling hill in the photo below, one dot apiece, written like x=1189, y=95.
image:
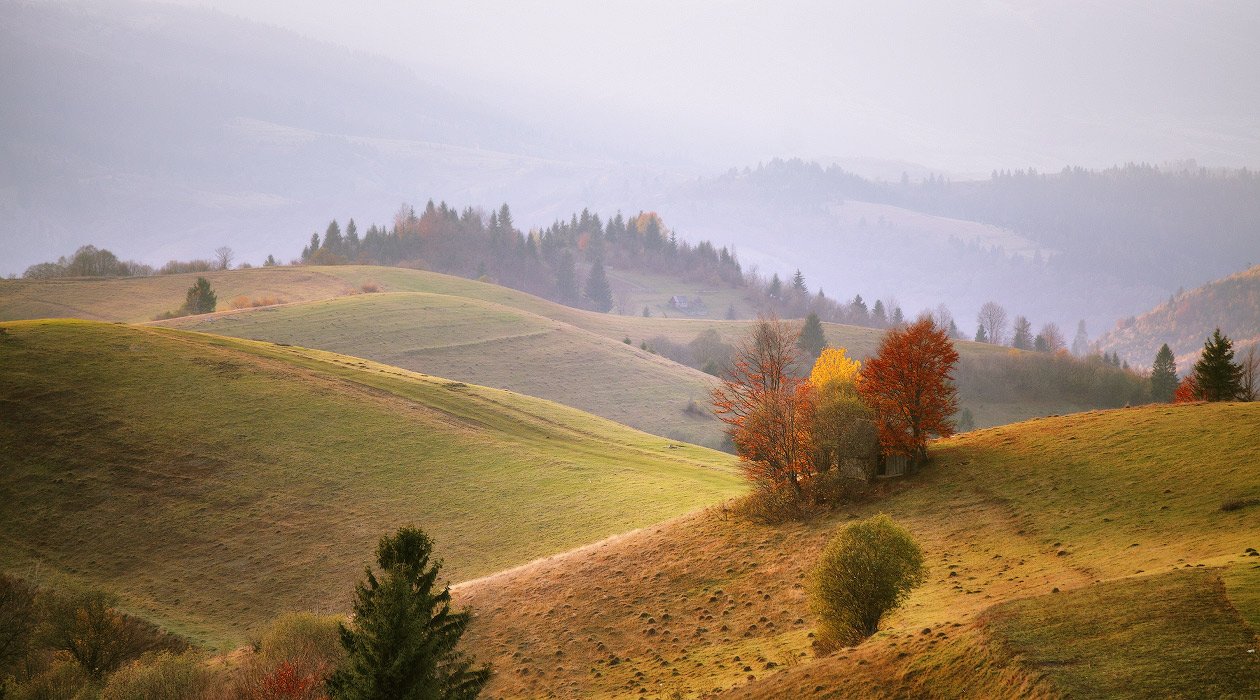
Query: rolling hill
x=575, y=371
x=1186, y=320
x=1087, y=556
x=212, y=482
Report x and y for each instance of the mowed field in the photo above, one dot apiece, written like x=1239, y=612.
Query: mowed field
x=559, y=347
x=1080, y=556
x=472, y=340
x=214, y=482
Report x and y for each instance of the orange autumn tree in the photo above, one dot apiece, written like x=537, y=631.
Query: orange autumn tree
x=767, y=408
x=909, y=385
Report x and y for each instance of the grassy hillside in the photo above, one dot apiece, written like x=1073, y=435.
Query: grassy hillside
x=482, y=342
x=573, y=372
x=138, y=299
x=1185, y=321
x=213, y=482
x=1086, y=555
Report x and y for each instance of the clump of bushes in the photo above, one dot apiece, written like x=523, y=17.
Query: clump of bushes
x=370, y=287
x=864, y=573
x=244, y=302
x=54, y=644
x=163, y=676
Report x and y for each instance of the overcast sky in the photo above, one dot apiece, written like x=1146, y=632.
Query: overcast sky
x=965, y=86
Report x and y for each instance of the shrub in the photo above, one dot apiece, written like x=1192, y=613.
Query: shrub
x=370, y=287
x=865, y=572
x=245, y=302
x=295, y=655
x=161, y=676
x=87, y=628
x=63, y=679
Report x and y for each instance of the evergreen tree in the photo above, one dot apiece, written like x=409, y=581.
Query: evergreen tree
x=1080, y=344
x=352, y=238
x=879, y=315
x=332, y=238
x=598, y=291
x=776, y=287
x=897, y=318
x=798, y=283
x=1040, y=344
x=812, y=340
x=403, y=636
x=953, y=329
x=857, y=308
x=566, y=278
x=1218, y=378
x=981, y=336
x=270, y=261
x=1023, y=338
x=730, y=313
x=200, y=299
x=505, y=217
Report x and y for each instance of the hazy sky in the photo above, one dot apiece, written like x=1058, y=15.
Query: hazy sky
x=966, y=86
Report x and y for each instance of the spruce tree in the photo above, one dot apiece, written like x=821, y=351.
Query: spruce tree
x=401, y=643
x=879, y=316
x=1023, y=338
x=798, y=282
x=566, y=278
x=1218, y=378
x=981, y=336
x=598, y=291
x=200, y=298
x=812, y=340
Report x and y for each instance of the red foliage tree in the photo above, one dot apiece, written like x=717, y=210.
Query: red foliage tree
x=286, y=682
x=909, y=386
x=1187, y=391
x=768, y=408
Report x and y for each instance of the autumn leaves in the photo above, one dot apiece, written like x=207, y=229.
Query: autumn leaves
x=788, y=429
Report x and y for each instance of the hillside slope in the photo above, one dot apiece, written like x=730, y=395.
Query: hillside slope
x=1185, y=321
x=1064, y=553
x=486, y=343
x=213, y=482
x=998, y=385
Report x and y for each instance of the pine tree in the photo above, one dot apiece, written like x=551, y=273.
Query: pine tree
x=200, y=299
x=1216, y=375
x=879, y=316
x=1080, y=343
x=1023, y=338
x=981, y=336
x=598, y=291
x=332, y=238
x=776, y=287
x=798, y=283
x=403, y=636
x=897, y=318
x=812, y=340
x=566, y=278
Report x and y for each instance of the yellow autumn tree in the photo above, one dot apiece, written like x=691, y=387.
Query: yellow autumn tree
x=843, y=428
x=834, y=366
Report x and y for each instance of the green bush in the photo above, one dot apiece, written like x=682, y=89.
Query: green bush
x=63, y=679
x=161, y=676
x=304, y=639
x=865, y=572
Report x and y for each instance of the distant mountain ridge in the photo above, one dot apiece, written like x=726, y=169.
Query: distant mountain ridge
x=1186, y=320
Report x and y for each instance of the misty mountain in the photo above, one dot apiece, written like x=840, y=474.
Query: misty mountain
x=162, y=131
x=1092, y=245
x=1186, y=319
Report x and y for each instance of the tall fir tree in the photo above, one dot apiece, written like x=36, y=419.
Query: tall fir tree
x=200, y=298
x=403, y=637
x=598, y=291
x=879, y=316
x=566, y=278
x=798, y=283
x=1080, y=343
x=1023, y=337
x=981, y=336
x=812, y=340
x=1216, y=375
